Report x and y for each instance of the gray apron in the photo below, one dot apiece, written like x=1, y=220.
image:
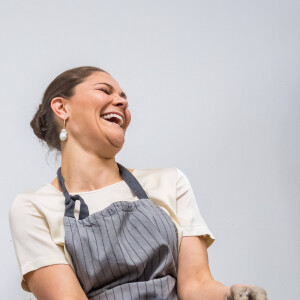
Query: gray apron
x=127, y=250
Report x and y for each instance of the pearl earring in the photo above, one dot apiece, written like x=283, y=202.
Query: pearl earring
x=63, y=134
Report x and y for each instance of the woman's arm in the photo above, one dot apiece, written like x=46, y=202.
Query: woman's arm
x=55, y=282
x=194, y=279
x=208, y=290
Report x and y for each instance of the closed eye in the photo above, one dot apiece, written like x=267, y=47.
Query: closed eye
x=104, y=90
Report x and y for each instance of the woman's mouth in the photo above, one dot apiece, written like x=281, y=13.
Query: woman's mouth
x=111, y=122
x=113, y=118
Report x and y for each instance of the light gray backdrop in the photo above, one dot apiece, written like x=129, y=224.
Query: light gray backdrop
x=213, y=88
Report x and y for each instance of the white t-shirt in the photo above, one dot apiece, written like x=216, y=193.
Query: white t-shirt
x=36, y=216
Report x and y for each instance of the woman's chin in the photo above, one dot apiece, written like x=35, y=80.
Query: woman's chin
x=114, y=133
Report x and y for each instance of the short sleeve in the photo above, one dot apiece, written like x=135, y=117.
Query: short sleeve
x=188, y=210
x=34, y=247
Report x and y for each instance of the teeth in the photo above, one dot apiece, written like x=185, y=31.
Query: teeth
x=113, y=115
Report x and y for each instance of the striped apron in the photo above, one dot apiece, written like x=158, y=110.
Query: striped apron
x=127, y=250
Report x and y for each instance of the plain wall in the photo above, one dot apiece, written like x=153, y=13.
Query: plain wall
x=213, y=89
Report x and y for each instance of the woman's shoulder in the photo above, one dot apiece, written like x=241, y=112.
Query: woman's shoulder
x=159, y=176
x=25, y=200
x=169, y=172
x=156, y=172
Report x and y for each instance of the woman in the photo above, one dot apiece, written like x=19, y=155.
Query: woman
x=133, y=234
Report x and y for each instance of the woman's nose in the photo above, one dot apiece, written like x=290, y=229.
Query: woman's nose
x=121, y=101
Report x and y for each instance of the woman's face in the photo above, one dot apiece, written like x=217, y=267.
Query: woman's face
x=97, y=95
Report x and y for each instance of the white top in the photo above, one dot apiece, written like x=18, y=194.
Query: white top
x=36, y=216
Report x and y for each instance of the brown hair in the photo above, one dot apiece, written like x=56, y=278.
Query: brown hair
x=43, y=123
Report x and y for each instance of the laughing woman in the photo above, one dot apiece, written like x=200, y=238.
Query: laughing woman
x=132, y=234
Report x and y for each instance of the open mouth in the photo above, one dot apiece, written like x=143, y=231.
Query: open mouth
x=113, y=118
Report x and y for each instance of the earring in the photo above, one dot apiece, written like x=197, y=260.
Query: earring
x=63, y=134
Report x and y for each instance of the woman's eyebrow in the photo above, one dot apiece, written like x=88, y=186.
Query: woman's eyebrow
x=122, y=94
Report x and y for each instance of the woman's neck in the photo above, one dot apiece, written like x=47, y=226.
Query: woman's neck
x=55, y=183
x=83, y=169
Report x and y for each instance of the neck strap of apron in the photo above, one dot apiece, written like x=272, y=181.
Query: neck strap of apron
x=126, y=175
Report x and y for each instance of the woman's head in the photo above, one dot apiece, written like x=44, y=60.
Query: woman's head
x=80, y=96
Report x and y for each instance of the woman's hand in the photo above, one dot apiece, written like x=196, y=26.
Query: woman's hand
x=246, y=292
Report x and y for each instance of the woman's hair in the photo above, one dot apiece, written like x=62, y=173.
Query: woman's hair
x=43, y=123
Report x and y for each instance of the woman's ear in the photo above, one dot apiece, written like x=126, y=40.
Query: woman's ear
x=59, y=106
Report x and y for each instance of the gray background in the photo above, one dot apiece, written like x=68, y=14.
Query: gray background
x=213, y=89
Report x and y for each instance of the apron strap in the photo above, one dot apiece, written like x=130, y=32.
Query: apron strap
x=131, y=181
x=70, y=200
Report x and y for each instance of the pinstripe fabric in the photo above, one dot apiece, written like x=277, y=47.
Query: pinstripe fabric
x=127, y=250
